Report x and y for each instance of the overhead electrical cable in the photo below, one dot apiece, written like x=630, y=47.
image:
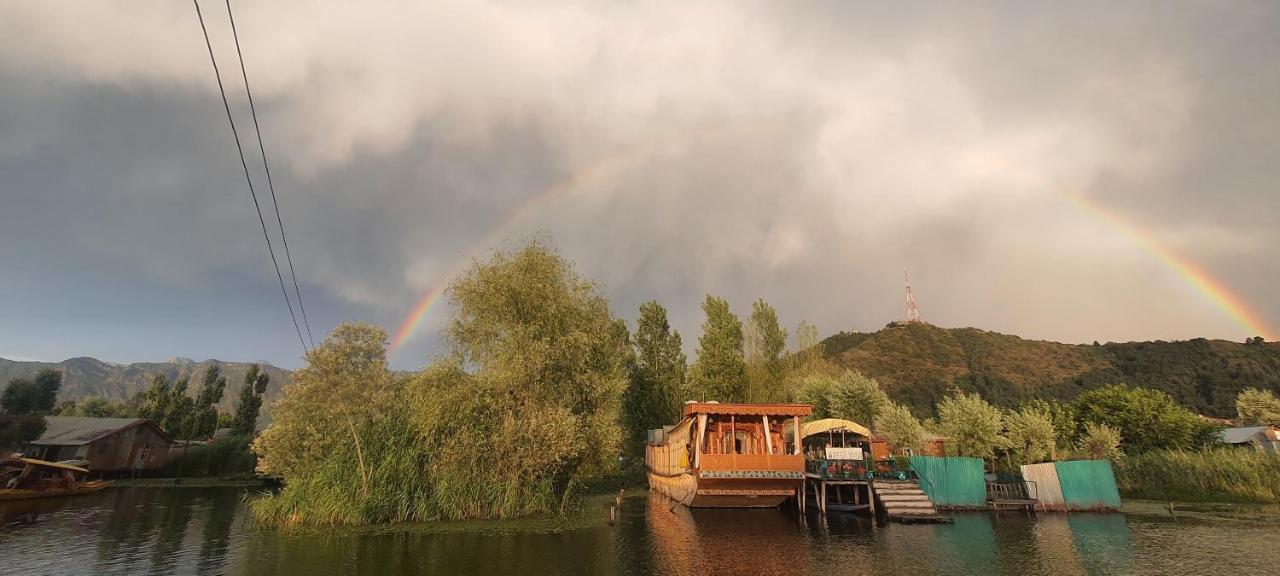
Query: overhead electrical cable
x=249, y=180
x=270, y=185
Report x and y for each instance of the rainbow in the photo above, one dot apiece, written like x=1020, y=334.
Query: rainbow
x=1213, y=289
x=582, y=179
x=594, y=173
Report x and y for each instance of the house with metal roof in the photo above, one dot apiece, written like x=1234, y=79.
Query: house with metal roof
x=103, y=444
x=1266, y=438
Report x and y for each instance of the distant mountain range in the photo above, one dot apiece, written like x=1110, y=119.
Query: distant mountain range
x=85, y=377
x=919, y=363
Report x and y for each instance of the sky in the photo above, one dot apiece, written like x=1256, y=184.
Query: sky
x=1076, y=172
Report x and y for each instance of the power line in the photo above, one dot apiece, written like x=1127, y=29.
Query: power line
x=245, y=165
x=270, y=185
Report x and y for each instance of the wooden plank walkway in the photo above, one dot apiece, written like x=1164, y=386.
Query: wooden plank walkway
x=904, y=501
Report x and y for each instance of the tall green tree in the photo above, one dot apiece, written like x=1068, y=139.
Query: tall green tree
x=1145, y=418
x=851, y=396
x=255, y=384
x=543, y=387
x=19, y=397
x=900, y=428
x=1063, y=417
x=972, y=427
x=1030, y=433
x=35, y=396
x=47, y=382
x=764, y=344
x=330, y=404
x=720, y=373
x=655, y=374
x=1099, y=442
x=1257, y=407
x=203, y=418
x=164, y=403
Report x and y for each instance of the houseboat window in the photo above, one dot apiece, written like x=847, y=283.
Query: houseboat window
x=146, y=451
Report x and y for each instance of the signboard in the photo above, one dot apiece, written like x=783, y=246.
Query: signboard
x=834, y=453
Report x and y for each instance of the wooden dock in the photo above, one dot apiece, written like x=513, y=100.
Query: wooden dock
x=904, y=501
x=837, y=494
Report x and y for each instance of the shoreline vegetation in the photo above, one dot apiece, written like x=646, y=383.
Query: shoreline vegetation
x=542, y=395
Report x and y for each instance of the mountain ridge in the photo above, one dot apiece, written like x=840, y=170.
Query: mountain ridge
x=85, y=376
x=920, y=363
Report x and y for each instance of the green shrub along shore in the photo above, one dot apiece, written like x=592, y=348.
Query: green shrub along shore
x=1222, y=474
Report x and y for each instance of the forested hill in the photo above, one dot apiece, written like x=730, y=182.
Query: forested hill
x=85, y=377
x=918, y=363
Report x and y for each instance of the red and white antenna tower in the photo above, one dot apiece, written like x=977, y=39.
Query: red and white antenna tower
x=913, y=313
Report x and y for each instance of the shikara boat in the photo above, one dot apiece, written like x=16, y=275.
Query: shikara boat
x=729, y=455
x=27, y=478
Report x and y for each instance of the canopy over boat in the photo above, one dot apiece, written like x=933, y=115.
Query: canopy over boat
x=832, y=425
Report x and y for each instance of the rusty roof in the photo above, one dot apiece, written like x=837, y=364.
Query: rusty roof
x=691, y=408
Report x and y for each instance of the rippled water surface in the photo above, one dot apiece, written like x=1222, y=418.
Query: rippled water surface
x=207, y=531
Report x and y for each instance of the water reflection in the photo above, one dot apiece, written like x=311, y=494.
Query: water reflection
x=196, y=531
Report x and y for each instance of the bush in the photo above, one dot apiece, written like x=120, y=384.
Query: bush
x=224, y=457
x=1225, y=474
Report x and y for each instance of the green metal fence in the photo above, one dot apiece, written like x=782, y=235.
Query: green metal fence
x=1088, y=485
x=952, y=481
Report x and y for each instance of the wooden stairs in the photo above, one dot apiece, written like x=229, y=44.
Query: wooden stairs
x=904, y=501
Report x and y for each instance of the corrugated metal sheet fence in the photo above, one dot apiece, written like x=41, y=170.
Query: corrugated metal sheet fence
x=952, y=481
x=1088, y=485
x=1042, y=484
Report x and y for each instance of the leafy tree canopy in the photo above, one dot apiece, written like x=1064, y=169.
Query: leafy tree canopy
x=1257, y=407
x=655, y=374
x=1146, y=419
x=972, y=427
x=720, y=372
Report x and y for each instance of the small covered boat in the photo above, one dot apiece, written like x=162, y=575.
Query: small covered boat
x=27, y=478
x=729, y=455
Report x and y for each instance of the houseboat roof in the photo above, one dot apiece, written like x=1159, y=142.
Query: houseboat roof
x=832, y=425
x=78, y=431
x=691, y=408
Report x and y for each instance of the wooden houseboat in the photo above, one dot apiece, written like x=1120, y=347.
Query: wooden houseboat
x=27, y=478
x=729, y=455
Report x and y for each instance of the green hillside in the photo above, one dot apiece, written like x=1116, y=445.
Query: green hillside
x=85, y=377
x=919, y=363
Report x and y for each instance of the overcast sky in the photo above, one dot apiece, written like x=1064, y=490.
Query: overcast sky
x=804, y=153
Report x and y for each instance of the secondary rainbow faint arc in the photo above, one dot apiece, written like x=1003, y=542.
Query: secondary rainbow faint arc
x=1212, y=288
x=577, y=180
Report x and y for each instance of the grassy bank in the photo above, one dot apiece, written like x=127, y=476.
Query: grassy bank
x=1238, y=475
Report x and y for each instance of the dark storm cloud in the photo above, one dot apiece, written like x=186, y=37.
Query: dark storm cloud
x=803, y=154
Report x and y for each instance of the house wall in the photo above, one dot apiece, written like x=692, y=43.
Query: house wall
x=125, y=450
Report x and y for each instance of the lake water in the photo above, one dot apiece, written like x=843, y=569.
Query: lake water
x=208, y=531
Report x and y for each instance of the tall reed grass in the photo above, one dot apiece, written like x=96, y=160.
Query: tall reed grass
x=1224, y=474
x=331, y=491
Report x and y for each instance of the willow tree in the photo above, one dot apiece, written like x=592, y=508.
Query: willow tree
x=900, y=428
x=328, y=403
x=1255, y=407
x=851, y=396
x=720, y=373
x=1030, y=433
x=528, y=403
x=972, y=427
